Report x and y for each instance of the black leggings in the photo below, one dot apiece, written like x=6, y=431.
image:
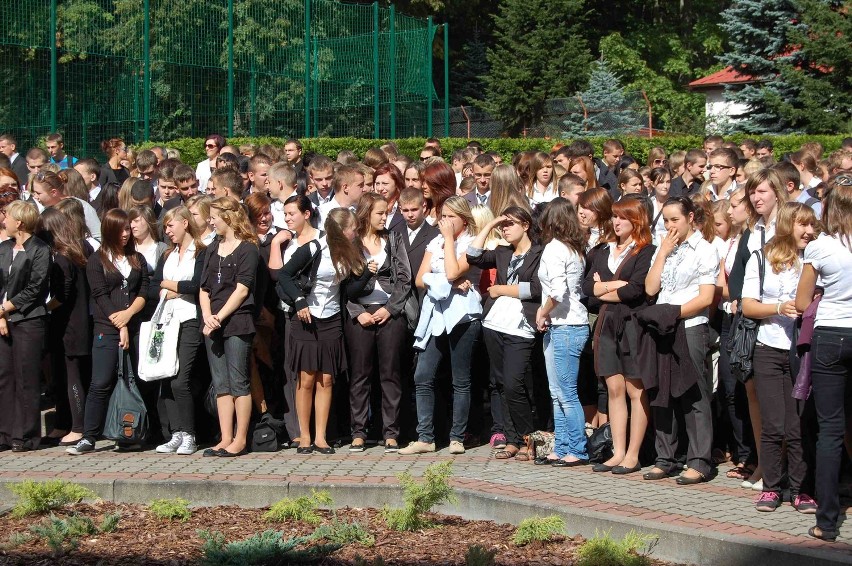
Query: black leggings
x=104, y=376
x=176, y=392
x=72, y=374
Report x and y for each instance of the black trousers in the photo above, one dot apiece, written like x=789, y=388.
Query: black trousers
x=366, y=345
x=70, y=374
x=176, y=393
x=291, y=419
x=510, y=361
x=694, y=405
x=104, y=377
x=20, y=369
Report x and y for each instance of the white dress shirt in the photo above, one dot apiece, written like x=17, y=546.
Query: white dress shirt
x=691, y=264
x=561, y=273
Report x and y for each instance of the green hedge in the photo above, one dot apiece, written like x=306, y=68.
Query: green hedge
x=192, y=149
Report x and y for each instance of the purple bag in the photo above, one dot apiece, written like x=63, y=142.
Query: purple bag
x=802, y=387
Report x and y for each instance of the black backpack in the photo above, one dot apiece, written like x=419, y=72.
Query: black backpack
x=266, y=434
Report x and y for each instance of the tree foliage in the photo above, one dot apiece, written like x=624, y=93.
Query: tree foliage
x=608, y=111
x=540, y=52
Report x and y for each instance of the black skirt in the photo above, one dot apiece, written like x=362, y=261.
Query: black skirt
x=616, y=354
x=316, y=347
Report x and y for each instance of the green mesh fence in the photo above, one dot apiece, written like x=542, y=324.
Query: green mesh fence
x=163, y=69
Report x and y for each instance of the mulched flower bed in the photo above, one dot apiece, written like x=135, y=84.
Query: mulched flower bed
x=143, y=539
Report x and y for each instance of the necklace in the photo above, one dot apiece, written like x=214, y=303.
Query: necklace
x=219, y=271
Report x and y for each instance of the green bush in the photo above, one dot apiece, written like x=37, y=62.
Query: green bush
x=343, y=533
x=15, y=540
x=603, y=550
x=539, y=529
x=110, y=522
x=419, y=498
x=479, y=556
x=63, y=535
x=299, y=509
x=268, y=547
x=176, y=509
x=35, y=498
x=192, y=149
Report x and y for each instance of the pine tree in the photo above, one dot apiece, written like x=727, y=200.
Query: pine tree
x=759, y=46
x=540, y=53
x=466, y=78
x=607, y=108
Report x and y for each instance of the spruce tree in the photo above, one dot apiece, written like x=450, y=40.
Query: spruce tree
x=608, y=109
x=540, y=52
x=467, y=80
x=759, y=46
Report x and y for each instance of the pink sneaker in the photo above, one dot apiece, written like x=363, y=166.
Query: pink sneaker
x=767, y=501
x=498, y=441
x=805, y=504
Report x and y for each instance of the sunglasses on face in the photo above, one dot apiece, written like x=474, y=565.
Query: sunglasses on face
x=210, y=145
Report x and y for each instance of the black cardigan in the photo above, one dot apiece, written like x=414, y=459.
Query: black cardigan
x=499, y=258
x=395, y=268
x=109, y=296
x=189, y=287
x=288, y=287
x=70, y=322
x=25, y=280
x=633, y=269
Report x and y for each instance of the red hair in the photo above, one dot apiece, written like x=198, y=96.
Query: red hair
x=634, y=211
x=396, y=177
x=442, y=184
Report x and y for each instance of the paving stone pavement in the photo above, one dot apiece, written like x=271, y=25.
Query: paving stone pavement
x=720, y=506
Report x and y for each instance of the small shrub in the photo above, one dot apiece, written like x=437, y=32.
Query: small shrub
x=176, y=509
x=343, y=533
x=377, y=561
x=479, y=556
x=603, y=550
x=419, y=498
x=300, y=509
x=35, y=498
x=109, y=522
x=538, y=529
x=15, y=540
x=267, y=547
x=63, y=535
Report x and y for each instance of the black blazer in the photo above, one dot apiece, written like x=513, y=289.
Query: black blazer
x=315, y=199
x=288, y=287
x=19, y=166
x=70, y=322
x=679, y=188
x=395, y=268
x=25, y=280
x=109, y=295
x=417, y=249
x=396, y=220
x=190, y=287
x=499, y=258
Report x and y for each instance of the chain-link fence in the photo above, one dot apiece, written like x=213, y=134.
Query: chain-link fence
x=162, y=69
x=562, y=118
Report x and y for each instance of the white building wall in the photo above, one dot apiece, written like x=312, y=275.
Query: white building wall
x=720, y=112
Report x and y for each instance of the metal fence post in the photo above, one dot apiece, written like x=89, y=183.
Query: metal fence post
x=252, y=96
x=392, y=57
x=230, y=68
x=307, y=68
x=446, y=79
x=376, y=70
x=53, y=70
x=146, y=79
x=430, y=31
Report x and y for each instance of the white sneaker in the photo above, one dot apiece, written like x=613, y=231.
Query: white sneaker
x=81, y=447
x=456, y=447
x=418, y=448
x=187, y=446
x=172, y=445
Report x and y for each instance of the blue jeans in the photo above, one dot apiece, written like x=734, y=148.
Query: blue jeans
x=563, y=345
x=459, y=345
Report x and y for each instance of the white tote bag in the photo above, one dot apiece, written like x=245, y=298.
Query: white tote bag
x=158, y=345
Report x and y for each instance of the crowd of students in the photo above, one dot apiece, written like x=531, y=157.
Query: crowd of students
x=351, y=298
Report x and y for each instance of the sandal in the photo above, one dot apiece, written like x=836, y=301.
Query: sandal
x=741, y=472
x=523, y=456
x=508, y=452
x=817, y=532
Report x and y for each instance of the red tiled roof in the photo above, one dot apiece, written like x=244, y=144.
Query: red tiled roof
x=726, y=76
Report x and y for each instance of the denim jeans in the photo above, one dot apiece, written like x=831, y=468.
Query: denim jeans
x=831, y=368
x=563, y=345
x=459, y=345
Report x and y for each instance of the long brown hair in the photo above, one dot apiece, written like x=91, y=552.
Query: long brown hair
x=182, y=213
x=782, y=250
x=112, y=226
x=588, y=167
x=54, y=228
x=559, y=222
x=599, y=202
x=837, y=211
x=442, y=184
x=366, y=204
x=344, y=255
x=633, y=210
x=538, y=162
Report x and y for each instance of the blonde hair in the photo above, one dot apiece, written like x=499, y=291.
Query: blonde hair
x=460, y=207
x=482, y=215
x=182, y=213
x=203, y=204
x=235, y=216
x=772, y=177
x=24, y=212
x=782, y=250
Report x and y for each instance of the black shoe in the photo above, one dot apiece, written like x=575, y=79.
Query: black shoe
x=16, y=447
x=304, y=450
x=566, y=464
x=327, y=450
x=683, y=480
x=653, y=476
x=212, y=452
x=225, y=454
x=543, y=461
x=52, y=441
x=827, y=536
x=622, y=471
x=601, y=467
x=5, y=447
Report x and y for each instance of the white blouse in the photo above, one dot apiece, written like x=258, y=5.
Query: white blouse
x=692, y=264
x=183, y=307
x=832, y=260
x=775, y=331
x=561, y=273
x=324, y=298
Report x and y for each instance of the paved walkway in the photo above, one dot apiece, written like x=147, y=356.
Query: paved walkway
x=720, y=506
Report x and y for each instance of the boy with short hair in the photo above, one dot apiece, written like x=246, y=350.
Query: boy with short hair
x=793, y=183
x=226, y=182
x=483, y=167
x=570, y=186
x=258, y=170
x=56, y=148
x=321, y=172
x=348, y=186
x=723, y=167
x=36, y=159
x=689, y=182
x=281, y=185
